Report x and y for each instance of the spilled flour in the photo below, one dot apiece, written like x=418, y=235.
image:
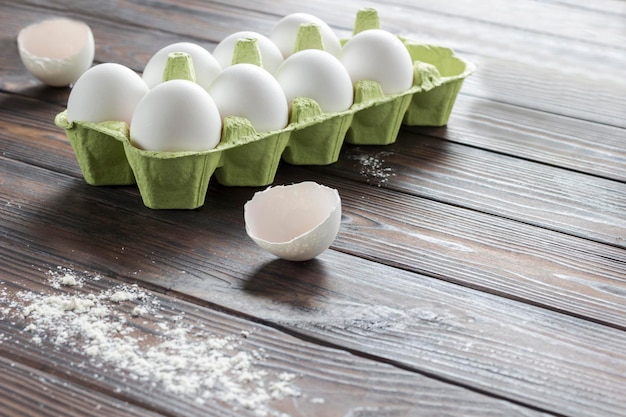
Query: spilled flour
x=373, y=167
x=178, y=356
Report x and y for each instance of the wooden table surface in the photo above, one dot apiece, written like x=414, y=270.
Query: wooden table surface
x=480, y=268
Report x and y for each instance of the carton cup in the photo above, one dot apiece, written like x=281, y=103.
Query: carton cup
x=250, y=159
x=99, y=149
x=316, y=138
x=433, y=105
x=172, y=180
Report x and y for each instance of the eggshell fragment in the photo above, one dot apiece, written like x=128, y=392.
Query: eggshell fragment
x=249, y=91
x=56, y=51
x=206, y=67
x=295, y=222
x=176, y=116
x=105, y=92
x=380, y=56
x=318, y=75
x=271, y=57
x=285, y=32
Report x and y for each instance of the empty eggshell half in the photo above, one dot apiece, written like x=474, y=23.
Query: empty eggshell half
x=56, y=51
x=294, y=222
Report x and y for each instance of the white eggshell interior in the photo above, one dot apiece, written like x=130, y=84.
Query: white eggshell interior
x=285, y=32
x=379, y=56
x=205, y=65
x=105, y=92
x=318, y=75
x=247, y=90
x=294, y=222
x=271, y=57
x=57, y=51
x=176, y=116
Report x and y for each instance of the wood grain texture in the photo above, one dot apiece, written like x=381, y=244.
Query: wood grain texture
x=513, y=70
x=480, y=269
x=545, y=196
x=479, y=340
x=506, y=195
x=332, y=382
x=433, y=168
x=26, y=391
x=578, y=145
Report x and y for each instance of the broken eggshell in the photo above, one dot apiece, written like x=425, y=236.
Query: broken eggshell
x=295, y=222
x=57, y=51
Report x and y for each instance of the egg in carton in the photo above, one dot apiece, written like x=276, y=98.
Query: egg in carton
x=246, y=157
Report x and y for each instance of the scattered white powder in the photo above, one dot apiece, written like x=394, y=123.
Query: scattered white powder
x=372, y=167
x=183, y=359
x=64, y=277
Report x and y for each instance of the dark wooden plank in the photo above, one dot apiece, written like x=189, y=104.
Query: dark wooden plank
x=504, y=128
x=493, y=344
x=112, y=45
x=28, y=133
x=187, y=19
x=550, y=139
x=328, y=381
x=548, y=197
x=501, y=200
x=515, y=188
x=512, y=70
x=558, y=349
x=568, y=61
x=25, y=391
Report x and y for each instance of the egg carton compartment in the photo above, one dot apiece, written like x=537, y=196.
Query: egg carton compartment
x=245, y=157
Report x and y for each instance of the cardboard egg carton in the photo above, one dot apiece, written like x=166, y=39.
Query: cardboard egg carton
x=245, y=157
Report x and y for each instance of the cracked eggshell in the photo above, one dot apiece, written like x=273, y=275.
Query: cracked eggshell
x=249, y=91
x=206, y=67
x=56, y=51
x=271, y=57
x=105, y=92
x=294, y=222
x=380, y=56
x=176, y=116
x=285, y=32
x=317, y=75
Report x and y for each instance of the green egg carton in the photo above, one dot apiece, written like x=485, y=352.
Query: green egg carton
x=99, y=150
x=245, y=157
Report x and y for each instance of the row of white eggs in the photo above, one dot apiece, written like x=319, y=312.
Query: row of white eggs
x=180, y=115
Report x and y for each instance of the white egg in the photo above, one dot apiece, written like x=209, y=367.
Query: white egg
x=176, y=116
x=271, y=57
x=105, y=92
x=205, y=65
x=317, y=75
x=285, y=32
x=56, y=51
x=378, y=55
x=247, y=90
x=295, y=222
